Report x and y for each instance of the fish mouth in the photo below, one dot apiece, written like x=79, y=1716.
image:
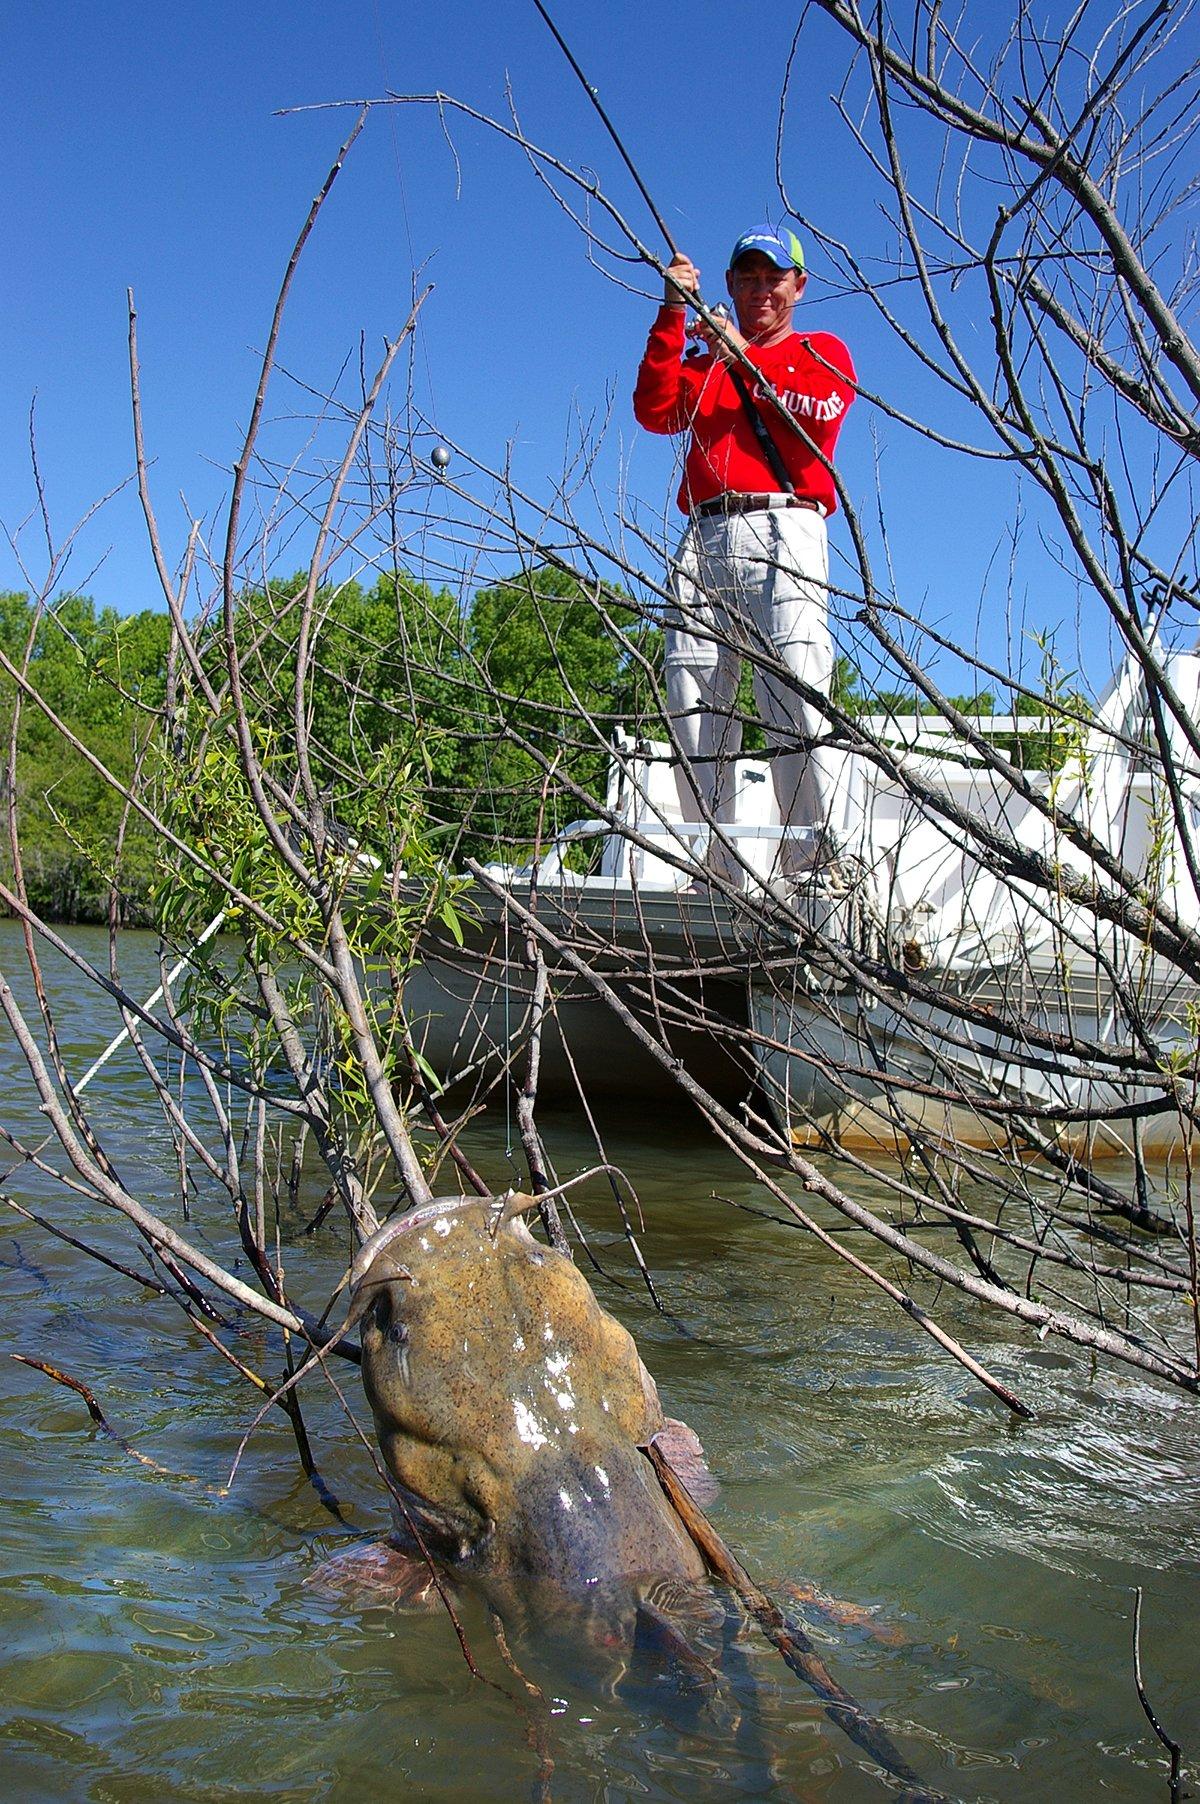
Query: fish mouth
x=422, y=1526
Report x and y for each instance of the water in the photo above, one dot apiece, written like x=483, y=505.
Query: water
x=158, y=1640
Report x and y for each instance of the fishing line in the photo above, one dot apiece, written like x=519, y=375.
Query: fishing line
x=403, y=193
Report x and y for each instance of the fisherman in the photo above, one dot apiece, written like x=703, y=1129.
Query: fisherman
x=751, y=572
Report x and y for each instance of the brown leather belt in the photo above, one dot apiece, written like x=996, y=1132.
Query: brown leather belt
x=754, y=504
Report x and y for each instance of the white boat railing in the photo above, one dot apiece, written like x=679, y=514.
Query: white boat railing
x=930, y=882
x=690, y=839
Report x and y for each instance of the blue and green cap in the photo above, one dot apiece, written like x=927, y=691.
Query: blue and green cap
x=782, y=247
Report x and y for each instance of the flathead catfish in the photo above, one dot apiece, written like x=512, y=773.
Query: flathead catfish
x=509, y=1408
x=511, y=1411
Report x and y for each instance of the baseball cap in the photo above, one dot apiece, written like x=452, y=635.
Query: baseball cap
x=782, y=247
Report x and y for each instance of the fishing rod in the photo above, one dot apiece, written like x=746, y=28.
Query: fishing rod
x=609, y=127
x=719, y=315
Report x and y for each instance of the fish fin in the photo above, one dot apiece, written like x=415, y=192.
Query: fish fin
x=373, y=1574
x=663, y=1640
x=847, y=1615
x=680, y=1447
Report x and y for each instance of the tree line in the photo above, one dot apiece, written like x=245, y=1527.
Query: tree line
x=103, y=678
x=407, y=677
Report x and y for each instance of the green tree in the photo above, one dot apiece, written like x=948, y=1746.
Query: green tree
x=104, y=677
x=549, y=676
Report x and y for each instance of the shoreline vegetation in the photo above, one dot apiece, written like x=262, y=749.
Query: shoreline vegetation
x=409, y=681
x=400, y=678
x=105, y=679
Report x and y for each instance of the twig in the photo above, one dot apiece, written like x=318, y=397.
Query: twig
x=531, y=1140
x=536, y=1726
x=1175, y=1778
x=790, y=1641
x=100, y=1419
x=731, y=1131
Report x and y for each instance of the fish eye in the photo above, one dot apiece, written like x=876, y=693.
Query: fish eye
x=397, y=1334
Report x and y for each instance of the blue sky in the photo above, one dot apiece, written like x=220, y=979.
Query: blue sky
x=144, y=151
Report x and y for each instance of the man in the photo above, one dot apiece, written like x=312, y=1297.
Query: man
x=752, y=570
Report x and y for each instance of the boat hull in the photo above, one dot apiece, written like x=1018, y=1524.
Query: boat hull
x=470, y=1006
x=986, y=1055
x=872, y=1074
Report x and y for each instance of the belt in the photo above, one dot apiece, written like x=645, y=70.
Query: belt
x=755, y=504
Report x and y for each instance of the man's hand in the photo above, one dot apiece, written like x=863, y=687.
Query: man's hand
x=682, y=271
x=724, y=348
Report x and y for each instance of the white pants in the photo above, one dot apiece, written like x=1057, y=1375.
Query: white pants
x=742, y=583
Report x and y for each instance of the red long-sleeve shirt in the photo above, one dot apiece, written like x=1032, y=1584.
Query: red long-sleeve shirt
x=696, y=395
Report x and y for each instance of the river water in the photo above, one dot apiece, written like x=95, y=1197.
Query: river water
x=158, y=1639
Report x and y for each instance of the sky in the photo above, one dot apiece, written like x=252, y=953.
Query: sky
x=145, y=150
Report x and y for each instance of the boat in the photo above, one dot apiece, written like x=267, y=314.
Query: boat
x=920, y=984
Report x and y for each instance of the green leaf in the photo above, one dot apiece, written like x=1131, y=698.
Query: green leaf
x=449, y=915
x=427, y=1072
